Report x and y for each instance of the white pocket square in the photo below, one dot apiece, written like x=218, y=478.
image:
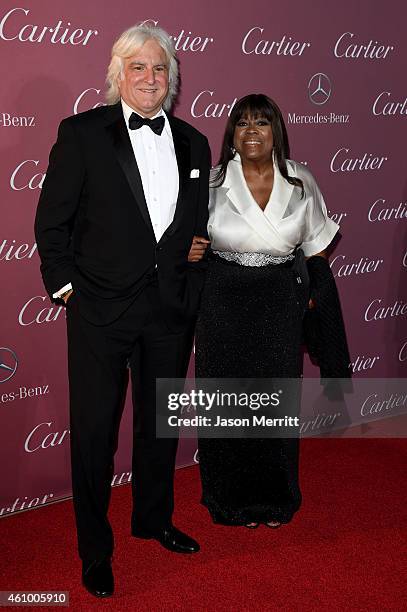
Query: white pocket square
x=194, y=173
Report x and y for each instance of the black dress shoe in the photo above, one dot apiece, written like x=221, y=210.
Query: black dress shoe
x=171, y=538
x=97, y=578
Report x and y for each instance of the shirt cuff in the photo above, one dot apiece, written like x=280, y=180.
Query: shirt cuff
x=58, y=294
x=320, y=242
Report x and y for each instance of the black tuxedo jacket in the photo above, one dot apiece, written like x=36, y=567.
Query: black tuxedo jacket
x=93, y=227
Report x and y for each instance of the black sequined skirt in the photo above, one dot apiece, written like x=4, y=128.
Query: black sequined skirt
x=250, y=326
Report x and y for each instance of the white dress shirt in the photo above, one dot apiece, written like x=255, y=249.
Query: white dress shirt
x=238, y=224
x=157, y=163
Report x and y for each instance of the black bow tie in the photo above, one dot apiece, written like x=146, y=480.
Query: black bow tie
x=157, y=124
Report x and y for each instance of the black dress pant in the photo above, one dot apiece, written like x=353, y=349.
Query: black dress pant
x=98, y=360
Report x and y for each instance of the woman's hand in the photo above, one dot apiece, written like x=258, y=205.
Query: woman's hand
x=198, y=248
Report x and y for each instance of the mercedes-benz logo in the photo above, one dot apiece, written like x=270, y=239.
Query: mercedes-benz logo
x=8, y=364
x=319, y=88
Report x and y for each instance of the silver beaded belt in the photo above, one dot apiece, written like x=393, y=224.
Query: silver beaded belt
x=253, y=259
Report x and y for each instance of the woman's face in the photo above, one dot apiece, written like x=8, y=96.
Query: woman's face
x=253, y=138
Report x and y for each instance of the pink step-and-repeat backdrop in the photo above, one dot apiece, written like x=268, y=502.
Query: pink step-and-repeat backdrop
x=337, y=69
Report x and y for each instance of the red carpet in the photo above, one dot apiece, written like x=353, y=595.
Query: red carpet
x=345, y=550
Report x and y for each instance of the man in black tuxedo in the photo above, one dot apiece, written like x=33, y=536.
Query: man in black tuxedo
x=125, y=197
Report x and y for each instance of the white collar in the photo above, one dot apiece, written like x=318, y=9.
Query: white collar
x=239, y=193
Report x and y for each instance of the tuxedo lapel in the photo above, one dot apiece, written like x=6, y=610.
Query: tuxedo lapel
x=117, y=132
x=183, y=154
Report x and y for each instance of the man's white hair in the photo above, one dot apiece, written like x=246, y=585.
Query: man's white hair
x=126, y=45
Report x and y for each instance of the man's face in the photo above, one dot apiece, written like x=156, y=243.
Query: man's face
x=143, y=83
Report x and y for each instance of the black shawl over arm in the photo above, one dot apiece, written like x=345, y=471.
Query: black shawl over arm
x=324, y=330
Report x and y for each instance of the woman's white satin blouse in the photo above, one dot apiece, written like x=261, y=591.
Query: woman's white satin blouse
x=238, y=224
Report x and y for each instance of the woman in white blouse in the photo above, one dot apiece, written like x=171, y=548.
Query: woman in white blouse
x=264, y=208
